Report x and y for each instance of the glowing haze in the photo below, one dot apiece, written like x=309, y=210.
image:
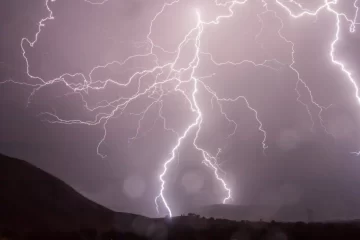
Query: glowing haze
x=169, y=72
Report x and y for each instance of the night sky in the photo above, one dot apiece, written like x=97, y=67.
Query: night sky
x=308, y=160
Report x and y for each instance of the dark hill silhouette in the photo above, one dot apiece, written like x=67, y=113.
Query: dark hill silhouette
x=36, y=205
x=286, y=213
x=283, y=213
x=33, y=199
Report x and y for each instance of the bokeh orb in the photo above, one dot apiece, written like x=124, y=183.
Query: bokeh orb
x=134, y=186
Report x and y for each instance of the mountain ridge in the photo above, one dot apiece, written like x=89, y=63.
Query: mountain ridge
x=31, y=198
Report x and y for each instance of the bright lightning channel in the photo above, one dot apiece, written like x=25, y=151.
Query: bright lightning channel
x=155, y=93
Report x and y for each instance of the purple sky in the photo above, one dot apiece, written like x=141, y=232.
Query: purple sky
x=302, y=165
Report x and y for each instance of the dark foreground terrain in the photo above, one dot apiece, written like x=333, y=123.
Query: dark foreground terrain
x=186, y=229
x=36, y=205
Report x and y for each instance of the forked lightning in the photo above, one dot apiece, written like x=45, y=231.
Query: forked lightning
x=168, y=74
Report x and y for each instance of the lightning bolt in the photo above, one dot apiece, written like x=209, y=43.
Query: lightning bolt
x=328, y=6
x=168, y=79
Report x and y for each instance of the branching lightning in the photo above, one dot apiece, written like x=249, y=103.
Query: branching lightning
x=169, y=74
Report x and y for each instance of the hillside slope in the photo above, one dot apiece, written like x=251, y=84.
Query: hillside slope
x=32, y=198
